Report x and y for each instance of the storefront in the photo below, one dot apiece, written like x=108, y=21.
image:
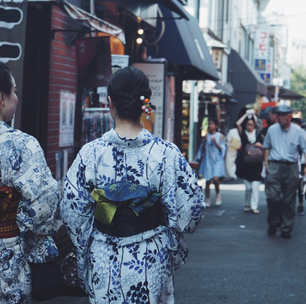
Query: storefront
x=183, y=47
x=55, y=105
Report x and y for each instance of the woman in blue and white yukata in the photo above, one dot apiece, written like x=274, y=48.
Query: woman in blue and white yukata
x=128, y=199
x=29, y=204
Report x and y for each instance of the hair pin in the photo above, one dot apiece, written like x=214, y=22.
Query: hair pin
x=147, y=106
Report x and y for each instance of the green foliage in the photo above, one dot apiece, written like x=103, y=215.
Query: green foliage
x=298, y=85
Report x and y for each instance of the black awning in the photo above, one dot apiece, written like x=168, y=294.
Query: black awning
x=174, y=7
x=284, y=93
x=243, y=77
x=183, y=44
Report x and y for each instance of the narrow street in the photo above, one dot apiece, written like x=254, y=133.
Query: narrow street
x=232, y=260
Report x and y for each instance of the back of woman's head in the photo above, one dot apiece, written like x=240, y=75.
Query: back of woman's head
x=125, y=88
x=5, y=79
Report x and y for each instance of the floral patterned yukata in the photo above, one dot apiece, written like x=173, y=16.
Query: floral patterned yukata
x=29, y=213
x=137, y=268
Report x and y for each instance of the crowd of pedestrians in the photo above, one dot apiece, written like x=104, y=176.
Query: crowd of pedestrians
x=274, y=156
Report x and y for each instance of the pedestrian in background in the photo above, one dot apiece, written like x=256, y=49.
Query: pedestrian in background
x=233, y=144
x=271, y=120
x=251, y=174
x=301, y=162
x=128, y=198
x=29, y=210
x=282, y=144
x=212, y=164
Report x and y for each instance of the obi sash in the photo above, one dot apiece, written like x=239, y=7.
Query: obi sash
x=9, y=201
x=125, y=209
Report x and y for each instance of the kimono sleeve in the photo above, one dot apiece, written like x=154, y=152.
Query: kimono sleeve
x=38, y=210
x=182, y=196
x=77, y=205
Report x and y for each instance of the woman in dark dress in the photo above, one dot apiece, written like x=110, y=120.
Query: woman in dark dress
x=250, y=173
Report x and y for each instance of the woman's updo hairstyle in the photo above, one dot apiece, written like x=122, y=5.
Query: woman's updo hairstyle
x=125, y=88
x=5, y=79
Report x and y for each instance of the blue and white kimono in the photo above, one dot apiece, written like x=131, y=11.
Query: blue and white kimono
x=137, y=268
x=23, y=170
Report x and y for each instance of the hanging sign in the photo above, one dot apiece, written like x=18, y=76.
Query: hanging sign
x=93, y=61
x=13, y=17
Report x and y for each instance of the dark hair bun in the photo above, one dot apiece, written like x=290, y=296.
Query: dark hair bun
x=125, y=88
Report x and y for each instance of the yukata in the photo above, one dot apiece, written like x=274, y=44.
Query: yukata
x=29, y=213
x=212, y=164
x=157, y=199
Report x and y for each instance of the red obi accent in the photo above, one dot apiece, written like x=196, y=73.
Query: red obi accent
x=9, y=201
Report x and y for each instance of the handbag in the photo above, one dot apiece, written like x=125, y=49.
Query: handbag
x=47, y=281
x=252, y=155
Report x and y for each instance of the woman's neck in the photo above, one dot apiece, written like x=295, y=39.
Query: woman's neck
x=127, y=128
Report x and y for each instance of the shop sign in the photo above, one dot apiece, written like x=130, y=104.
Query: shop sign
x=13, y=16
x=156, y=74
x=93, y=62
x=263, y=56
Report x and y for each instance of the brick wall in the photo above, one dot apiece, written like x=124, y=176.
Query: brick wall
x=62, y=77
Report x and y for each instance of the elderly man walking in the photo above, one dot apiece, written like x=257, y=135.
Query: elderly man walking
x=282, y=144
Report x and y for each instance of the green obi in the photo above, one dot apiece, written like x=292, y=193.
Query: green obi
x=136, y=197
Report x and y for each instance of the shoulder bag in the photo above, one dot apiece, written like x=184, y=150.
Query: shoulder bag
x=252, y=156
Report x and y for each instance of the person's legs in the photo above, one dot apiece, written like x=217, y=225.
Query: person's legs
x=273, y=189
x=217, y=187
x=248, y=189
x=207, y=193
x=290, y=182
x=255, y=196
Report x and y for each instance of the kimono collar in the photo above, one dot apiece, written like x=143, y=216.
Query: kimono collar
x=4, y=127
x=144, y=137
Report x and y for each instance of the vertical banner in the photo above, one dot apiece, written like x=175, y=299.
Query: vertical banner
x=93, y=61
x=67, y=110
x=13, y=15
x=156, y=74
x=263, y=55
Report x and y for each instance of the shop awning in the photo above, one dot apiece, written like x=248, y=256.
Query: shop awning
x=243, y=77
x=183, y=44
x=172, y=5
x=78, y=14
x=284, y=93
x=214, y=88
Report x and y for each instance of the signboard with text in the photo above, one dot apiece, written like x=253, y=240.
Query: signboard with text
x=263, y=62
x=155, y=71
x=13, y=18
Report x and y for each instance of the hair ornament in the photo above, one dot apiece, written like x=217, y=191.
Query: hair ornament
x=147, y=106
